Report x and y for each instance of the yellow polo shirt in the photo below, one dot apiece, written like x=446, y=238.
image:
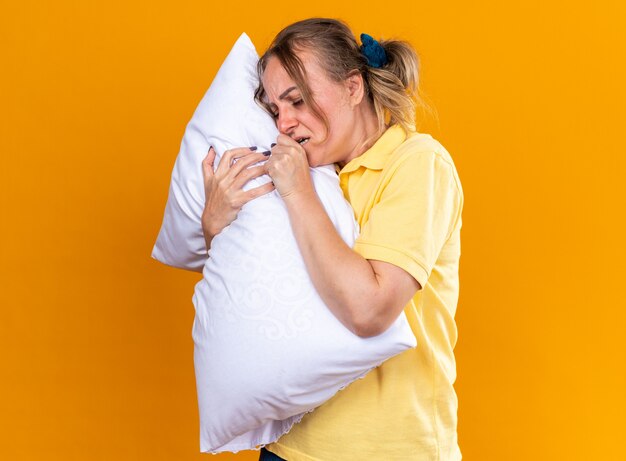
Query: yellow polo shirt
x=407, y=198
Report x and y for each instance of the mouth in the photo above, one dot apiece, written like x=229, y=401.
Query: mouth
x=302, y=141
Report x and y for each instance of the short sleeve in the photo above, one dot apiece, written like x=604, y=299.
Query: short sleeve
x=415, y=212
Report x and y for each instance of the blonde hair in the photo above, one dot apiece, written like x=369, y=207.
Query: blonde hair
x=393, y=89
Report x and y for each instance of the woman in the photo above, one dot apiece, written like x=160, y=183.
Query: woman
x=337, y=102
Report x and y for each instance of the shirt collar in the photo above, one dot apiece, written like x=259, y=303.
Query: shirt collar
x=376, y=156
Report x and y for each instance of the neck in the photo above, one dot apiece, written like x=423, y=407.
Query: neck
x=366, y=132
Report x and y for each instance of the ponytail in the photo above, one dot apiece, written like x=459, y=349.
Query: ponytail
x=393, y=87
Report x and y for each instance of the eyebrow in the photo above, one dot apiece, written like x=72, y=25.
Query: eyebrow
x=284, y=94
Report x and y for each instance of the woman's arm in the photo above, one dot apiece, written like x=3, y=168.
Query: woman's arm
x=367, y=296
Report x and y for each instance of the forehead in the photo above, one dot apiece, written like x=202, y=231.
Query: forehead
x=276, y=80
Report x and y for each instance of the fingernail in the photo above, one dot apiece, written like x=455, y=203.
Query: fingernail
x=273, y=144
x=253, y=148
x=210, y=147
x=267, y=153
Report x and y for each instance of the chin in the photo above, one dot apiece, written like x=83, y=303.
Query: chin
x=314, y=161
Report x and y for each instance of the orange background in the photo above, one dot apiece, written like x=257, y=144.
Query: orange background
x=95, y=336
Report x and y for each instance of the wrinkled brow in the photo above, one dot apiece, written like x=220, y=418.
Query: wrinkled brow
x=282, y=96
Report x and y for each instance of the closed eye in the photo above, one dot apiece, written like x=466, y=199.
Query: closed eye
x=296, y=102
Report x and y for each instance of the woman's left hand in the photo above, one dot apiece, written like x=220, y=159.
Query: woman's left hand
x=289, y=168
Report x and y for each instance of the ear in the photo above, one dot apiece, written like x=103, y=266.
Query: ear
x=356, y=87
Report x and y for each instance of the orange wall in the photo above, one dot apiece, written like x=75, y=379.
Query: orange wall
x=96, y=337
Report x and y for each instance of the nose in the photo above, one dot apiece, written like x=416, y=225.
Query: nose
x=286, y=121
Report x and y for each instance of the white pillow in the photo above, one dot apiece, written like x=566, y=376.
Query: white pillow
x=225, y=118
x=267, y=349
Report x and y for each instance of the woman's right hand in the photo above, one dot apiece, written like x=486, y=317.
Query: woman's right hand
x=224, y=187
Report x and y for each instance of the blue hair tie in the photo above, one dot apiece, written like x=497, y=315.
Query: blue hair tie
x=373, y=51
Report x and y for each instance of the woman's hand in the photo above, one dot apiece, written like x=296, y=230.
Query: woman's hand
x=289, y=168
x=223, y=187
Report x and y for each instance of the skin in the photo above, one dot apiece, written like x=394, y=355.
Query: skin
x=223, y=188
x=374, y=294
